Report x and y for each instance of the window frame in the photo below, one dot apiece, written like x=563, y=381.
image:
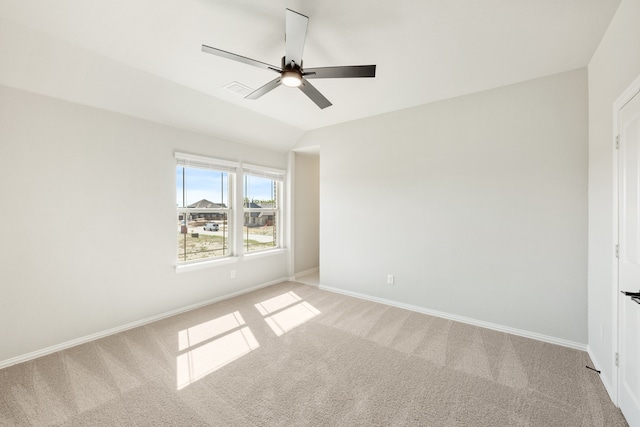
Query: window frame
x=279, y=177
x=216, y=165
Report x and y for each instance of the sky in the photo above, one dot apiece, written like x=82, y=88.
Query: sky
x=213, y=186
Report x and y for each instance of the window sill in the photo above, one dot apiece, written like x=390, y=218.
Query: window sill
x=183, y=268
x=265, y=253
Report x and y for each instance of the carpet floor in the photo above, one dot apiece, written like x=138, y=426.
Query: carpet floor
x=294, y=355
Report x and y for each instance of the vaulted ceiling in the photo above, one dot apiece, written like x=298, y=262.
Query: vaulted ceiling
x=143, y=57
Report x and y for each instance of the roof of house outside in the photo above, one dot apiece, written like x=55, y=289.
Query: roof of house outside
x=206, y=204
x=254, y=205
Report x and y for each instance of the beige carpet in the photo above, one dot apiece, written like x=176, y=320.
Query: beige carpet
x=291, y=355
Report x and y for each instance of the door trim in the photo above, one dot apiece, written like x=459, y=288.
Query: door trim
x=632, y=90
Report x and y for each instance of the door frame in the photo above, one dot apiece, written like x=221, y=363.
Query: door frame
x=632, y=90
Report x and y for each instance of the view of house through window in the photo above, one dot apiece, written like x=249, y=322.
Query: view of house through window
x=261, y=212
x=202, y=198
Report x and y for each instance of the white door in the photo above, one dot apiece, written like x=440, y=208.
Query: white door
x=629, y=261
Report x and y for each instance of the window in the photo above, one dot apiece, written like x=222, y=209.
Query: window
x=204, y=200
x=262, y=200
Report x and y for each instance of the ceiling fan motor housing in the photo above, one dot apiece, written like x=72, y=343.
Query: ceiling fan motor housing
x=291, y=76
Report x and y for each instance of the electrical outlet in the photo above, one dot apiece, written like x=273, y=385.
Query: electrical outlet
x=389, y=279
x=233, y=274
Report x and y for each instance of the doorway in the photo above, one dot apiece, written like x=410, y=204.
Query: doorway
x=306, y=215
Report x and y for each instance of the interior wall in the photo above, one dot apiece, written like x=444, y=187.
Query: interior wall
x=476, y=205
x=613, y=67
x=307, y=212
x=86, y=211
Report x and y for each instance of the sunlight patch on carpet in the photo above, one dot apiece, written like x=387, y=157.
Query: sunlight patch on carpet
x=286, y=320
x=277, y=303
x=205, y=354
x=207, y=330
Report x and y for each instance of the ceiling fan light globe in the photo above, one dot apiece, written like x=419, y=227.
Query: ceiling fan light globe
x=291, y=78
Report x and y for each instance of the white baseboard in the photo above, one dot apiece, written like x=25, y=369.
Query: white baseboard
x=474, y=322
x=608, y=385
x=68, y=344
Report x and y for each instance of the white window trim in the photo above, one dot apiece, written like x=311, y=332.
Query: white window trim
x=203, y=162
x=264, y=253
x=235, y=212
x=264, y=172
x=186, y=266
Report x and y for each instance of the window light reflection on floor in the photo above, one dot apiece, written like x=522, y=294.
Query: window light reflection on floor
x=214, y=344
x=204, y=357
x=207, y=330
x=277, y=303
x=283, y=319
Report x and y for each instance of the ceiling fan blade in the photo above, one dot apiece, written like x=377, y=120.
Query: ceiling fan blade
x=314, y=95
x=264, y=89
x=239, y=58
x=340, y=72
x=295, y=34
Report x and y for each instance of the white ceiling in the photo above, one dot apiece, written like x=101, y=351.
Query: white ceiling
x=425, y=50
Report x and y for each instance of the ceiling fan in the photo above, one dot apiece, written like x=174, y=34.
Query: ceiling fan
x=291, y=72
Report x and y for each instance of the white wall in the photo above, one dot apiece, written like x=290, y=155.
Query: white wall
x=306, y=212
x=615, y=64
x=477, y=205
x=87, y=205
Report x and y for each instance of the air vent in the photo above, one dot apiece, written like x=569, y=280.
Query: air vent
x=238, y=88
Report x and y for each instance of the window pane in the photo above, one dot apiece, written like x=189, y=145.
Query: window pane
x=259, y=191
x=204, y=188
x=202, y=235
x=260, y=230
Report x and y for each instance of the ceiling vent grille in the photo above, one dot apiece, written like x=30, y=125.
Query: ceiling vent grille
x=238, y=88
